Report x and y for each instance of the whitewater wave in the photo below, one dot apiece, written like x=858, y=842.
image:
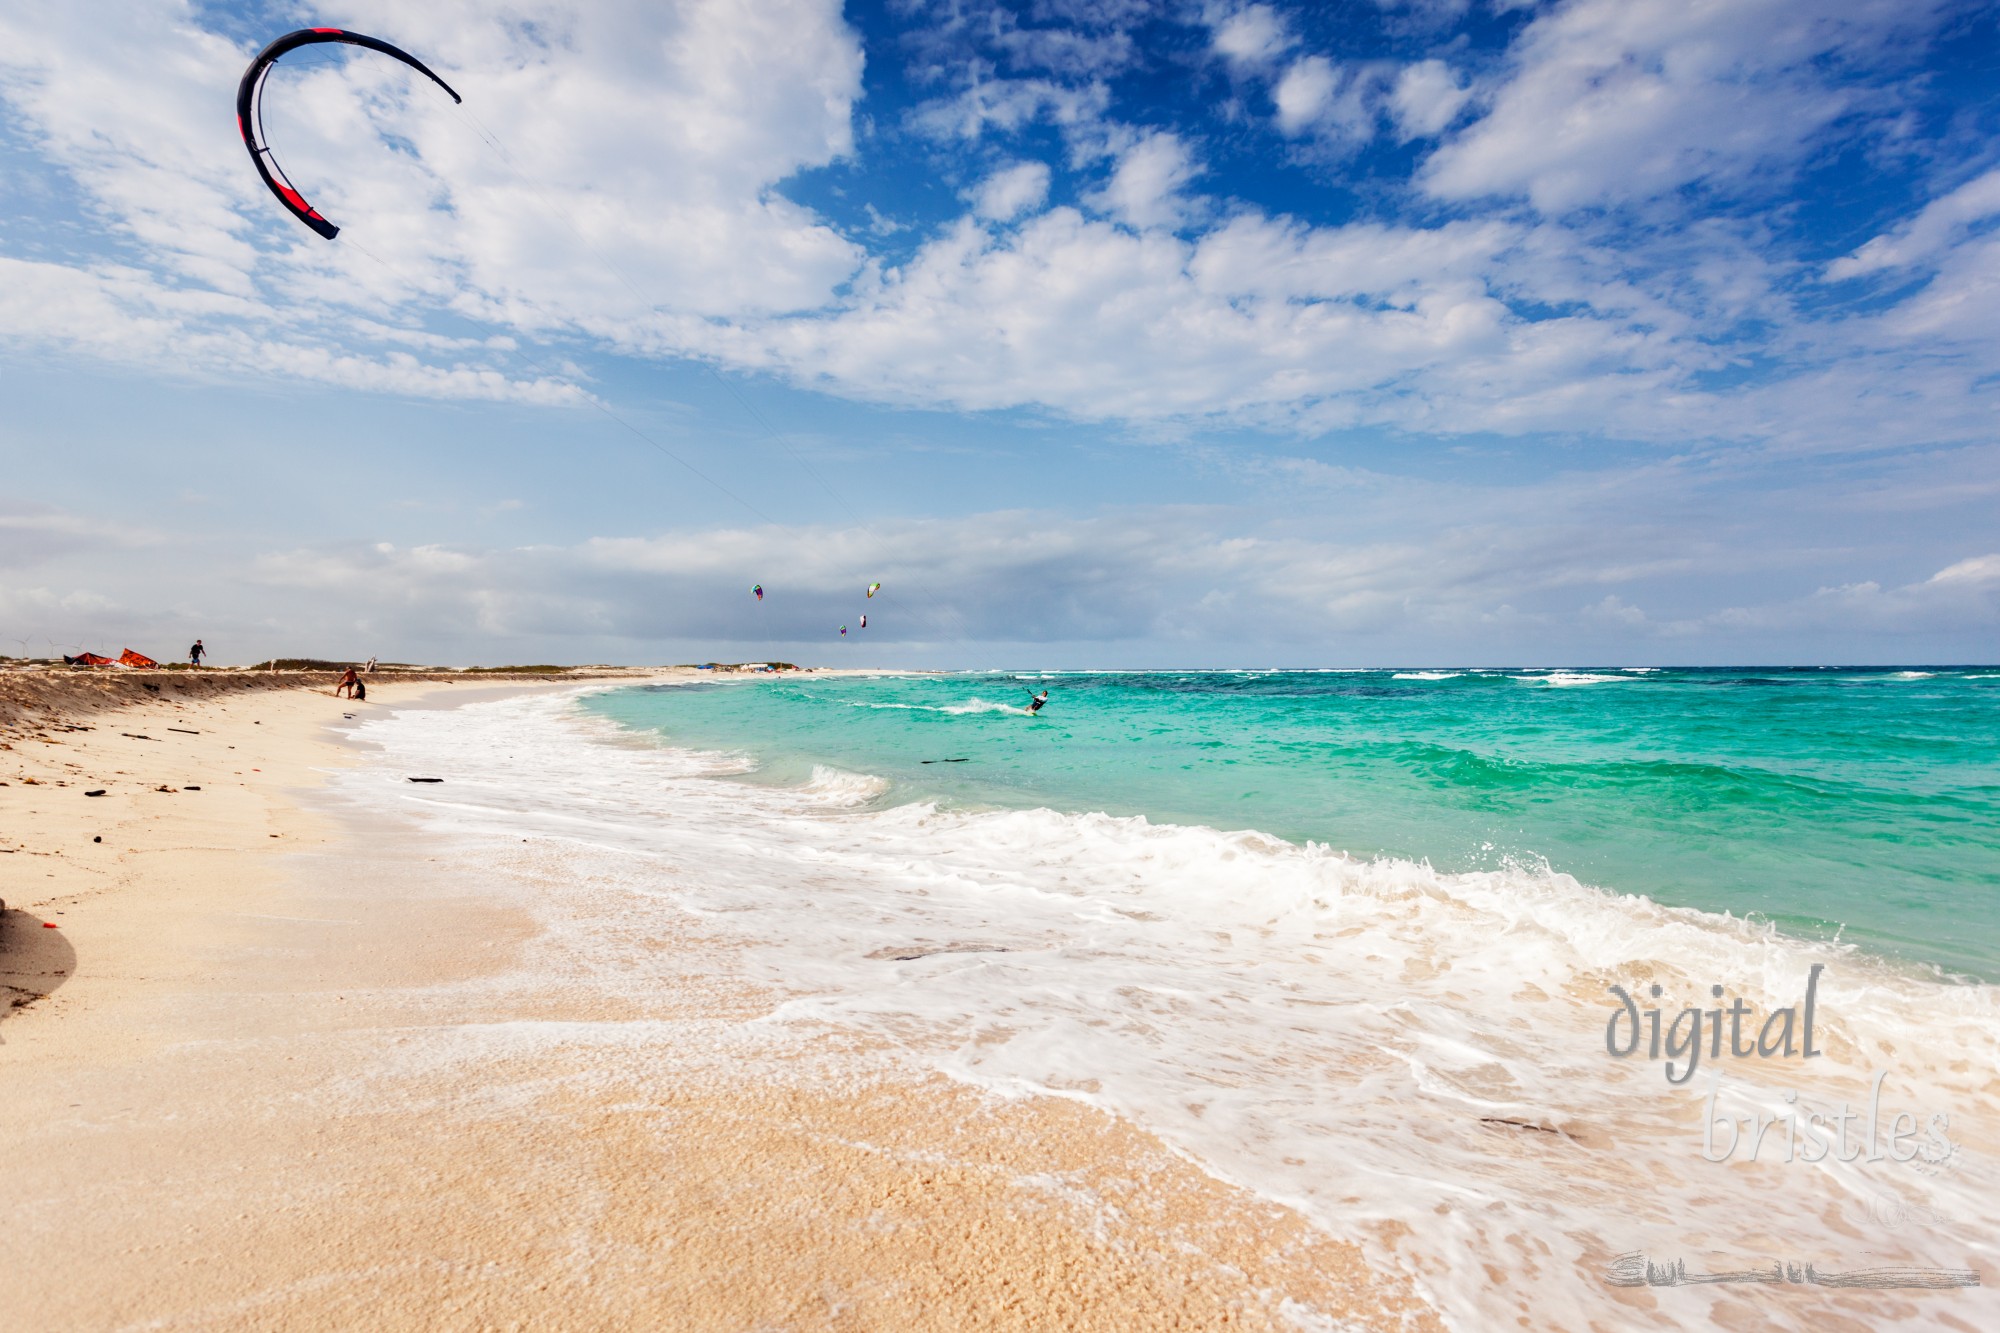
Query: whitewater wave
x=1414, y=1059
x=1427, y=675
x=1561, y=679
x=830, y=786
x=957, y=710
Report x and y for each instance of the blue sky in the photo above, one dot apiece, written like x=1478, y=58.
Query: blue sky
x=1119, y=333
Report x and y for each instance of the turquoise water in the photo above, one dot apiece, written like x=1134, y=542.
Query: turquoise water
x=1863, y=804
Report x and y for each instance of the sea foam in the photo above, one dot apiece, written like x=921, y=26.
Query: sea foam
x=1414, y=1059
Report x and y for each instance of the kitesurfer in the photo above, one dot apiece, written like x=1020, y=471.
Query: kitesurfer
x=1035, y=704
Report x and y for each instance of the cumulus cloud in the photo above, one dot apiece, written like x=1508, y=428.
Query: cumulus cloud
x=1428, y=97
x=1964, y=596
x=634, y=205
x=1012, y=191
x=1253, y=37
x=1305, y=93
x=1614, y=101
x=693, y=111
x=1981, y=571
x=1147, y=186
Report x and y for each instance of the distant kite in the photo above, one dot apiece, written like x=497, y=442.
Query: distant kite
x=843, y=631
x=250, y=111
x=864, y=622
x=758, y=588
x=874, y=588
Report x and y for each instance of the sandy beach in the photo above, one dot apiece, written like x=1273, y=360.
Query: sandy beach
x=270, y=1063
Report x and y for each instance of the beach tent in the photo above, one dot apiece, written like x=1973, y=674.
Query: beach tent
x=128, y=658
x=86, y=659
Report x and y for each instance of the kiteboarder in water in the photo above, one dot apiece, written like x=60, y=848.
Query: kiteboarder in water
x=1035, y=704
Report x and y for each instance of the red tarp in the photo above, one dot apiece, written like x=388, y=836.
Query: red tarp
x=128, y=658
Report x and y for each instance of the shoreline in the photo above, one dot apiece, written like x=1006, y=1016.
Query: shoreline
x=1405, y=1055
x=306, y=1064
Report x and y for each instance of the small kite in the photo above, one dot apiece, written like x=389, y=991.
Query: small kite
x=874, y=588
x=758, y=588
x=250, y=110
x=864, y=622
x=843, y=631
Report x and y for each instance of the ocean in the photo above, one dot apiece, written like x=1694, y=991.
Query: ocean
x=1859, y=805
x=1350, y=939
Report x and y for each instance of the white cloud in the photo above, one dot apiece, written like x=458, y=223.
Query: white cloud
x=1980, y=571
x=689, y=114
x=1007, y=105
x=1339, y=107
x=1146, y=185
x=1965, y=597
x=1941, y=226
x=125, y=316
x=1252, y=37
x=1305, y=93
x=1427, y=98
x=636, y=210
x=1010, y=192
x=1104, y=323
x=1610, y=101
x=1616, y=610
x=1952, y=243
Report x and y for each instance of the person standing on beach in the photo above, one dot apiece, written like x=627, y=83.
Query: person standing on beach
x=196, y=653
x=348, y=681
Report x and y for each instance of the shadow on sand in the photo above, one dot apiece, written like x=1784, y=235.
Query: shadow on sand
x=33, y=960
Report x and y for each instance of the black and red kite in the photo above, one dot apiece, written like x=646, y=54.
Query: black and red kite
x=249, y=110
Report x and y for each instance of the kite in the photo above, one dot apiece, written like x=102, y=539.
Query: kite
x=139, y=661
x=843, y=631
x=864, y=622
x=250, y=110
x=874, y=588
x=758, y=588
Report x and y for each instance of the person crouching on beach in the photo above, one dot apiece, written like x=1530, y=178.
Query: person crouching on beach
x=348, y=681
